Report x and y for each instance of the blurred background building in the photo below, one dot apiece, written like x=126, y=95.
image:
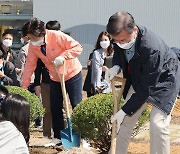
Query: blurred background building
x=13, y=14
x=84, y=20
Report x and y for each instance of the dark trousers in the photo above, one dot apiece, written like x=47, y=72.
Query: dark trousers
x=74, y=90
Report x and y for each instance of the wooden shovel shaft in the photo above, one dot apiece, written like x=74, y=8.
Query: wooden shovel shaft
x=61, y=79
x=116, y=108
x=63, y=88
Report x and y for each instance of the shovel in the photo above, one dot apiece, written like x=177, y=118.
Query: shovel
x=116, y=108
x=69, y=137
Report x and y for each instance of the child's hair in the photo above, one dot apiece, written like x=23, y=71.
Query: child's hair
x=53, y=25
x=16, y=109
x=4, y=90
x=3, y=93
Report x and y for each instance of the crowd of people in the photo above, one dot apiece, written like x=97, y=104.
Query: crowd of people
x=151, y=69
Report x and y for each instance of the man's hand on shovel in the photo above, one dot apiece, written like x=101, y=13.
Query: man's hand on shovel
x=110, y=73
x=119, y=116
x=58, y=61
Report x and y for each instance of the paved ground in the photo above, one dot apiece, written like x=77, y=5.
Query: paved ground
x=174, y=134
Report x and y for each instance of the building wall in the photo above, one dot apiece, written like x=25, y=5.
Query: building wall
x=84, y=19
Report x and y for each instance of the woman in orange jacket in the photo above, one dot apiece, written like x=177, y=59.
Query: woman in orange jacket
x=54, y=46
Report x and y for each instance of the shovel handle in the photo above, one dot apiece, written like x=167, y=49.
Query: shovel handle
x=63, y=87
x=61, y=79
x=116, y=108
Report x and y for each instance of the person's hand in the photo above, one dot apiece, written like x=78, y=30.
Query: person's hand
x=18, y=70
x=88, y=62
x=58, y=61
x=119, y=116
x=1, y=74
x=104, y=68
x=37, y=90
x=110, y=73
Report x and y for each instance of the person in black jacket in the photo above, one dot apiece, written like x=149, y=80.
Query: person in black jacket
x=41, y=83
x=152, y=73
x=42, y=87
x=87, y=82
x=7, y=72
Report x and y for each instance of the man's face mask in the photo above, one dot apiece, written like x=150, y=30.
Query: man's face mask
x=38, y=43
x=128, y=45
x=7, y=42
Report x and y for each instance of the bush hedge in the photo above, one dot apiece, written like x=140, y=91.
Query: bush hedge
x=91, y=118
x=36, y=109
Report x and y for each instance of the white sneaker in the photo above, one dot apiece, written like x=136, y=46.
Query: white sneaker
x=85, y=144
x=47, y=137
x=54, y=142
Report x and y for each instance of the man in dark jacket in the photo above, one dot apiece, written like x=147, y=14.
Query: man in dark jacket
x=152, y=70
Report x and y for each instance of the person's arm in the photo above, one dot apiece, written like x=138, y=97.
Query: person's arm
x=89, y=63
x=150, y=64
x=37, y=79
x=5, y=79
x=96, y=69
x=72, y=48
x=21, y=59
x=14, y=57
x=9, y=77
x=31, y=62
x=38, y=72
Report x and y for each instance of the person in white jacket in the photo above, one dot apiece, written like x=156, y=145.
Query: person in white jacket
x=14, y=126
x=11, y=139
x=103, y=49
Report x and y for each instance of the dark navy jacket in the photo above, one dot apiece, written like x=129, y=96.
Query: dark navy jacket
x=153, y=72
x=10, y=77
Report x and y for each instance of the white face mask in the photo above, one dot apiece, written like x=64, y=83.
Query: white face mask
x=22, y=40
x=7, y=42
x=38, y=43
x=128, y=45
x=104, y=44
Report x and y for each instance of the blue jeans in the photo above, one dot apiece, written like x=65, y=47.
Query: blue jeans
x=74, y=90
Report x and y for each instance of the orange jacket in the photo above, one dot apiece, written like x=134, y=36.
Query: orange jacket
x=57, y=44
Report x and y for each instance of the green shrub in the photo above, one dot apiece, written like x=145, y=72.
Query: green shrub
x=36, y=109
x=91, y=118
